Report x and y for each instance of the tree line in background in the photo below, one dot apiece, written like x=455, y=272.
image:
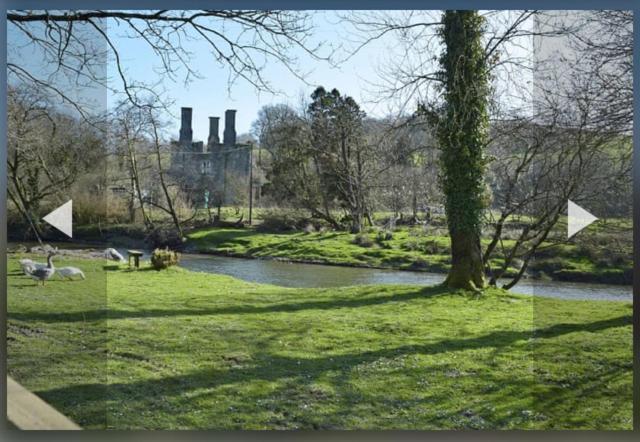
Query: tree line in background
x=332, y=161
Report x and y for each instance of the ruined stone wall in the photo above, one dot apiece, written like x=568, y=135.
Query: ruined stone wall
x=223, y=168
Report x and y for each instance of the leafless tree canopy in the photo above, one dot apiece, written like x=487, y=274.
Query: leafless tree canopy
x=80, y=43
x=561, y=109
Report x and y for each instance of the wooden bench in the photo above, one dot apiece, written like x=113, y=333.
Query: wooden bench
x=26, y=411
x=135, y=254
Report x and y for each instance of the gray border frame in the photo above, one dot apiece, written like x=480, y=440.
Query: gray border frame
x=324, y=4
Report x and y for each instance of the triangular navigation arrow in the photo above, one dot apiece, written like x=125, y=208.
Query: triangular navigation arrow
x=578, y=218
x=61, y=218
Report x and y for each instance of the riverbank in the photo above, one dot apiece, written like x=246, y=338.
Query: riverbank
x=285, y=273
x=601, y=257
x=407, y=249
x=178, y=349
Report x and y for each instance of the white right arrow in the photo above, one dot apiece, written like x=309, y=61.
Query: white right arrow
x=578, y=219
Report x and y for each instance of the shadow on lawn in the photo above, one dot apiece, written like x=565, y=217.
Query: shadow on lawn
x=236, y=309
x=269, y=367
x=128, y=269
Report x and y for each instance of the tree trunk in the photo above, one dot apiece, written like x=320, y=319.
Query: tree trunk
x=369, y=219
x=414, y=205
x=165, y=189
x=356, y=222
x=467, y=270
x=26, y=215
x=463, y=132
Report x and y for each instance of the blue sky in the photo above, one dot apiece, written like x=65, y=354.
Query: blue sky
x=209, y=96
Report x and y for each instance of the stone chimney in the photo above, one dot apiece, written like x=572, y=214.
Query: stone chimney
x=186, y=133
x=230, y=127
x=213, y=131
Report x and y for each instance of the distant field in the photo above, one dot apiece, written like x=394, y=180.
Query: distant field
x=177, y=349
x=417, y=249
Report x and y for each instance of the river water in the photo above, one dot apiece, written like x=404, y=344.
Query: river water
x=314, y=275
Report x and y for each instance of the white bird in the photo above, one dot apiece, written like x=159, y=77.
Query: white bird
x=45, y=273
x=113, y=254
x=70, y=272
x=28, y=265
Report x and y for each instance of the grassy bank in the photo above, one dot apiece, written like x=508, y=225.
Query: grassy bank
x=177, y=349
x=408, y=249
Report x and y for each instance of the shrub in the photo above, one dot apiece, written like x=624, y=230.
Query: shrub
x=163, y=258
x=384, y=235
x=411, y=245
x=589, y=251
x=547, y=266
x=91, y=208
x=419, y=264
x=434, y=248
x=164, y=237
x=281, y=220
x=363, y=240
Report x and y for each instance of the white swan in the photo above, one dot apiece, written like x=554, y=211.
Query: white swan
x=113, y=254
x=70, y=272
x=28, y=266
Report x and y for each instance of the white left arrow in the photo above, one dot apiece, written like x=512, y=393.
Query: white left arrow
x=61, y=218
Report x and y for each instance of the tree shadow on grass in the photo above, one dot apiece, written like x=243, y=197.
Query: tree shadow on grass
x=355, y=302
x=118, y=268
x=269, y=367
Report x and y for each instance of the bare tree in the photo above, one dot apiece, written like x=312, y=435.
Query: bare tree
x=549, y=144
x=160, y=151
x=75, y=49
x=129, y=129
x=572, y=143
x=77, y=46
x=47, y=151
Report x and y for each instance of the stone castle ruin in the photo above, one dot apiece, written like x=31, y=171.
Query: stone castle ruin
x=215, y=173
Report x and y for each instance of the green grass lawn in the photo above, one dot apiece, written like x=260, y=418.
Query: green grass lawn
x=178, y=349
x=409, y=249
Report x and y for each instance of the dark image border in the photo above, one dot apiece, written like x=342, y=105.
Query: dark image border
x=326, y=5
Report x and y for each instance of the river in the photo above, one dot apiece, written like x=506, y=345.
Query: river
x=313, y=275
x=287, y=274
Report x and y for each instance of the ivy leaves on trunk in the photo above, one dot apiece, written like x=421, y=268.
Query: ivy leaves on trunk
x=462, y=134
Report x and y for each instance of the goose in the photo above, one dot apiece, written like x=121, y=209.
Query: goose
x=113, y=254
x=28, y=265
x=70, y=272
x=42, y=274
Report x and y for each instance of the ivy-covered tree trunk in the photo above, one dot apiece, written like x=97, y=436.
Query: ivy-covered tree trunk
x=462, y=134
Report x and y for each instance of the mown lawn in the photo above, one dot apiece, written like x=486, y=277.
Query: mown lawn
x=177, y=349
x=412, y=249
